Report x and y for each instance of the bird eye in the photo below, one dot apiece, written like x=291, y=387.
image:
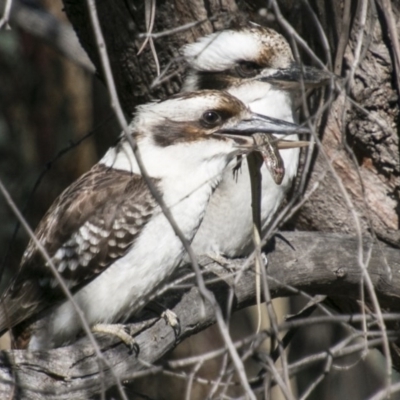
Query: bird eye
x=247, y=69
x=210, y=119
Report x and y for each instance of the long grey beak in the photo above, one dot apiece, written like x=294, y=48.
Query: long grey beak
x=290, y=78
x=263, y=124
x=291, y=144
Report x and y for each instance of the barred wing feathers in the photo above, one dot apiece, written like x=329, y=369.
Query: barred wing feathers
x=90, y=225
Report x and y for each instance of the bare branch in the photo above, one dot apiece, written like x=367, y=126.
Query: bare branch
x=322, y=263
x=6, y=13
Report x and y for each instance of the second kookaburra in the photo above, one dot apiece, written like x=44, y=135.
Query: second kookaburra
x=255, y=65
x=106, y=234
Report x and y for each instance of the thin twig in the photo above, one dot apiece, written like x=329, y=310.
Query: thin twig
x=178, y=29
x=383, y=394
x=362, y=18
x=206, y=294
x=63, y=287
x=290, y=30
x=344, y=37
x=150, y=13
x=254, y=164
x=6, y=13
x=321, y=33
x=386, y=6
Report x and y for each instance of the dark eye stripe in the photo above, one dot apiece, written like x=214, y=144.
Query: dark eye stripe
x=213, y=80
x=247, y=69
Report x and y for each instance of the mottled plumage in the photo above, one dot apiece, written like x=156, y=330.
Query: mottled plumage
x=91, y=224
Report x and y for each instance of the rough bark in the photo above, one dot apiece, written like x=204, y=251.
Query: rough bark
x=361, y=138
x=73, y=372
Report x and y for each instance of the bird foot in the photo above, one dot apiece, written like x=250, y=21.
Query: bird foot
x=172, y=320
x=121, y=331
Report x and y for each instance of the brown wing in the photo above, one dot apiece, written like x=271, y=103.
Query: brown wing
x=91, y=224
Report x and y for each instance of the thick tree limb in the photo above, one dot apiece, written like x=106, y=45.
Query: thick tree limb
x=313, y=262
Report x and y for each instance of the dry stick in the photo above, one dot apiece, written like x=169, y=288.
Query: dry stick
x=383, y=394
x=275, y=330
x=285, y=388
x=63, y=287
x=363, y=13
x=254, y=162
x=184, y=376
x=244, y=267
x=338, y=350
x=208, y=356
x=206, y=294
x=324, y=355
x=269, y=233
x=221, y=374
x=150, y=28
x=192, y=376
x=287, y=211
x=178, y=29
x=345, y=350
x=328, y=366
x=188, y=361
x=293, y=290
x=318, y=379
x=148, y=7
x=150, y=13
x=344, y=37
x=321, y=33
x=357, y=54
x=285, y=24
x=280, y=345
x=6, y=13
x=284, y=326
x=362, y=264
x=386, y=7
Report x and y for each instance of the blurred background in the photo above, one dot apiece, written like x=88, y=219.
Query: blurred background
x=55, y=123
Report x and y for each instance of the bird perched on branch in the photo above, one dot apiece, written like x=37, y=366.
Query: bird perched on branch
x=256, y=65
x=106, y=234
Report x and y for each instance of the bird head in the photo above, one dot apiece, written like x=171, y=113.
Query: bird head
x=192, y=128
x=202, y=116
x=231, y=58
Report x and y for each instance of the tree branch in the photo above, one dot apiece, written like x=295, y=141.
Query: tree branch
x=313, y=262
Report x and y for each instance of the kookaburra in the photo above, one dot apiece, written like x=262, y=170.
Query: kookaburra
x=106, y=234
x=255, y=65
